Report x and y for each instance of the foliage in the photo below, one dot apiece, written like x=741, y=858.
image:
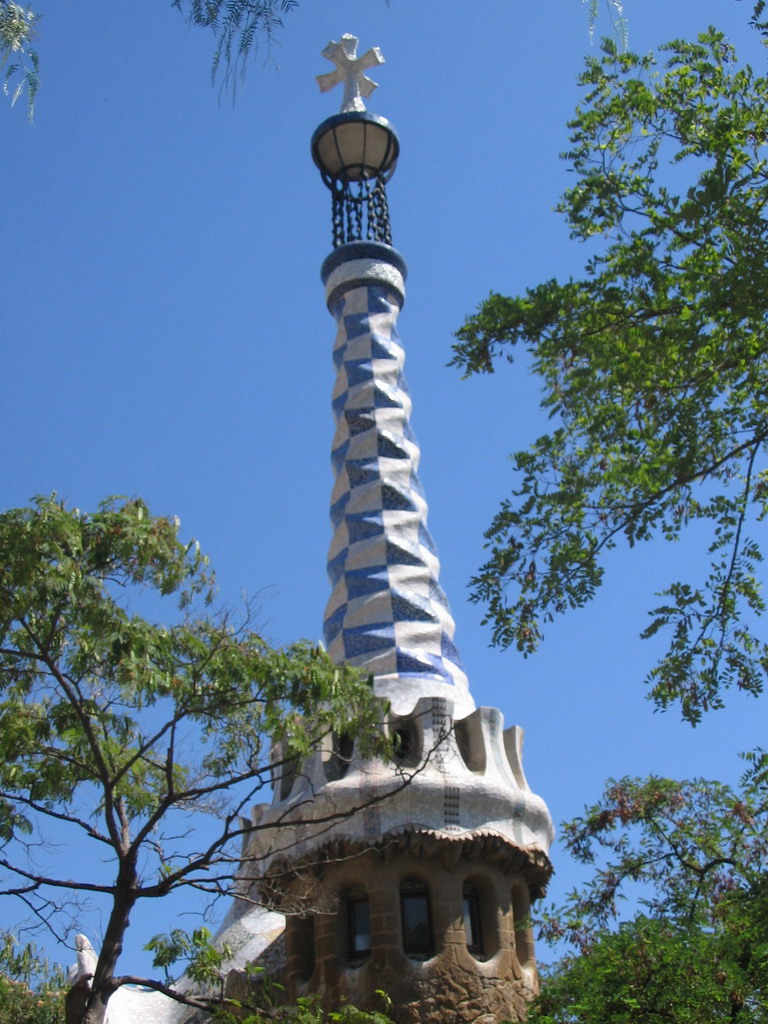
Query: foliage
x=31, y=991
x=238, y=25
x=615, y=12
x=648, y=971
x=694, y=857
x=757, y=19
x=203, y=963
x=18, y=27
x=653, y=365
x=306, y=1010
x=146, y=742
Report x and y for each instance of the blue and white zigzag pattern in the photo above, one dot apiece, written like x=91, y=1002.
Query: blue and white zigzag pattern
x=387, y=612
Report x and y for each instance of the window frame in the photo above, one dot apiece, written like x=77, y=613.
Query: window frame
x=414, y=891
x=358, y=921
x=473, y=920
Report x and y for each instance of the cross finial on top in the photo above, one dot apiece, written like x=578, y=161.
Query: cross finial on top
x=350, y=69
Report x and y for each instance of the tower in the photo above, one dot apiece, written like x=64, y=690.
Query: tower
x=414, y=877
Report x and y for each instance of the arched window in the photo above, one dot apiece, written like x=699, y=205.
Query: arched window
x=416, y=916
x=358, y=924
x=336, y=761
x=407, y=740
x=473, y=927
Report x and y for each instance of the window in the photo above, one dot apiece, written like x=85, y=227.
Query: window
x=301, y=939
x=285, y=774
x=358, y=924
x=336, y=761
x=472, y=923
x=402, y=744
x=416, y=919
x=407, y=739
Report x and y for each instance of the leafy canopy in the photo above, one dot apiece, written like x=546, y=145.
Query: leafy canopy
x=654, y=367
x=146, y=743
x=691, y=860
x=31, y=990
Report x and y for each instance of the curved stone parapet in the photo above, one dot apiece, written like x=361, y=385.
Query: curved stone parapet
x=458, y=779
x=387, y=613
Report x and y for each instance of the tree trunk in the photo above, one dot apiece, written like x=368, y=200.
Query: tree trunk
x=103, y=986
x=76, y=1001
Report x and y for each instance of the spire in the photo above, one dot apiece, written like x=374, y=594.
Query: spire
x=387, y=613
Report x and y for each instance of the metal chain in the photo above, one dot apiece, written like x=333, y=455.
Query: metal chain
x=378, y=215
x=348, y=211
x=337, y=217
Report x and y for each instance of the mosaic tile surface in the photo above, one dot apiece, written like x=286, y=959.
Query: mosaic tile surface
x=387, y=612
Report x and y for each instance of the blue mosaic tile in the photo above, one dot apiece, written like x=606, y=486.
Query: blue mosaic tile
x=425, y=538
x=448, y=649
x=359, y=420
x=356, y=324
x=411, y=663
x=333, y=624
x=390, y=447
x=340, y=401
x=362, y=471
x=368, y=639
x=364, y=525
x=381, y=348
x=336, y=567
x=398, y=554
x=338, y=455
x=362, y=582
x=393, y=499
x=375, y=464
x=338, y=509
x=416, y=486
x=411, y=609
x=359, y=372
x=381, y=300
x=386, y=397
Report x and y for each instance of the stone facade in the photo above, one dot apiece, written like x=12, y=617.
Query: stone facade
x=450, y=983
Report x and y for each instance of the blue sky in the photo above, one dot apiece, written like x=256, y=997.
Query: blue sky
x=165, y=332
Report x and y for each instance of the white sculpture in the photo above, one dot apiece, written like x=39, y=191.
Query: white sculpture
x=350, y=69
x=87, y=959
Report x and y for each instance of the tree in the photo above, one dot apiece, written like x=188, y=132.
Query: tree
x=18, y=28
x=615, y=12
x=692, y=859
x=239, y=26
x=31, y=990
x=144, y=742
x=654, y=367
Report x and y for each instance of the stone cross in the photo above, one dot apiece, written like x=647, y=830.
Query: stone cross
x=350, y=69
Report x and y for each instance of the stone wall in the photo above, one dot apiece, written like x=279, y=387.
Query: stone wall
x=448, y=984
